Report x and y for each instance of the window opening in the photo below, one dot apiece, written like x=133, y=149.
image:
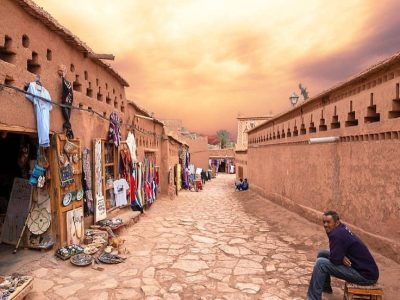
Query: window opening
x=351, y=117
x=335, y=120
x=33, y=65
x=6, y=53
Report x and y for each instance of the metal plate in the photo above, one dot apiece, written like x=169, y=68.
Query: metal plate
x=67, y=199
x=81, y=260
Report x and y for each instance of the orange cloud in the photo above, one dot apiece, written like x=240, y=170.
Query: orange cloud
x=203, y=61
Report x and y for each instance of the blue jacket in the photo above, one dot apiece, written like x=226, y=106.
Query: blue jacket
x=342, y=242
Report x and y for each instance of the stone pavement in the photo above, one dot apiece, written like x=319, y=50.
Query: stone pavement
x=214, y=244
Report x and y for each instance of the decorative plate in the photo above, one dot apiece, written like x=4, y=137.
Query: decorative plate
x=81, y=260
x=38, y=220
x=107, y=258
x=79, y=195
x=75, y=158
x=67, y=199
x=89, y=250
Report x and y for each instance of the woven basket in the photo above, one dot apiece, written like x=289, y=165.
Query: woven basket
x=70, y=147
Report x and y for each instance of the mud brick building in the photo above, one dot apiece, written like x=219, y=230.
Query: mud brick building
x=34, y=47
x=339, y=150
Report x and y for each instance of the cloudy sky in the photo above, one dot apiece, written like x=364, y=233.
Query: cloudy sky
x=205, y=61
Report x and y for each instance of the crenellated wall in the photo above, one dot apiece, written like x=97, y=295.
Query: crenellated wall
x=358, y=175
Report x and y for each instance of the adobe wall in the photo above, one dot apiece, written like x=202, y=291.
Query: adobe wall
x=221, y=153
x=198, y=152
x=241, y=164
x=358, y=176
x=107, y=93
x=148, y=135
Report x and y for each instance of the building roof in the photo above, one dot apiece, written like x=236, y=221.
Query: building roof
x=139, y=108
x=395, y=58
x=221, y=153
x=176, y=139
x=39, y=13
x=256, y=118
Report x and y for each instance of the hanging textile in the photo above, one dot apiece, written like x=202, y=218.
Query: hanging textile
x=130, y=141
x=114, y=131
x=154, y=189
x=42, y=110
x=126, y=165
x=120, y=191
x=139, y=184
x=157, y=177
x=87, y=181
x=67, y=98
x=178, y=177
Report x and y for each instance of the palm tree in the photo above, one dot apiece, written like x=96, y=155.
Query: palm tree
x=223, y=138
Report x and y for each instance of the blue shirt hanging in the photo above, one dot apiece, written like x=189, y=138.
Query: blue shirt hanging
x=42, y=110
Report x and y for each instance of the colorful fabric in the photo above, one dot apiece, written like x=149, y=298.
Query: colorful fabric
x=114, y=131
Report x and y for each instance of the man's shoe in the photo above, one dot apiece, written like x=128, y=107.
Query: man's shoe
x=327, y=290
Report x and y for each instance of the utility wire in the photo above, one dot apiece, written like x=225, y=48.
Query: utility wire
x=74, y=107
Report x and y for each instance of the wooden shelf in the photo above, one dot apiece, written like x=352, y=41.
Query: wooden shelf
x=109, y=164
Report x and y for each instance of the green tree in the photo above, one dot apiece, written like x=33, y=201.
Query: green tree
x=223, y=138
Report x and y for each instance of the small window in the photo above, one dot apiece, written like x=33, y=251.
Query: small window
x=32, y=64
x=86, y=75
x=49, y=55
x=72, y=68
x=25, y=41
x=6, y=52
x=76, y=85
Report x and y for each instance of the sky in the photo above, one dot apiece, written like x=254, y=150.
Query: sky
x=208, y=61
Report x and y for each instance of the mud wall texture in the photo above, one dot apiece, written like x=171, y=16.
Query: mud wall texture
x=30, y=48
x=358, y=175
x=198, y=152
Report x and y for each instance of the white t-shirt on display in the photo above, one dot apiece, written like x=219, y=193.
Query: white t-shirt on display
x=120, y=188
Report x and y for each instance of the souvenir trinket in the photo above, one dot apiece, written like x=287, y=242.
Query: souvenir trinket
x=108, y=249
x=75, y=158
x=79, y=195
x=107, y=258
x=90, y=250
x=37, y=172
x=81, y=260
x=38, y=220
x=66, y=176
x=67, y=199
x=68, y=251
x=61, y=159
x=70, y=147
x=41, y=181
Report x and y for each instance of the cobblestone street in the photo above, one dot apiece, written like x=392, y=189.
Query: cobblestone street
x=214, y=244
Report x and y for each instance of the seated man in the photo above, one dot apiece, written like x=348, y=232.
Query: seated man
x=239, y=185
x=348, y=259
x=245, y=185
